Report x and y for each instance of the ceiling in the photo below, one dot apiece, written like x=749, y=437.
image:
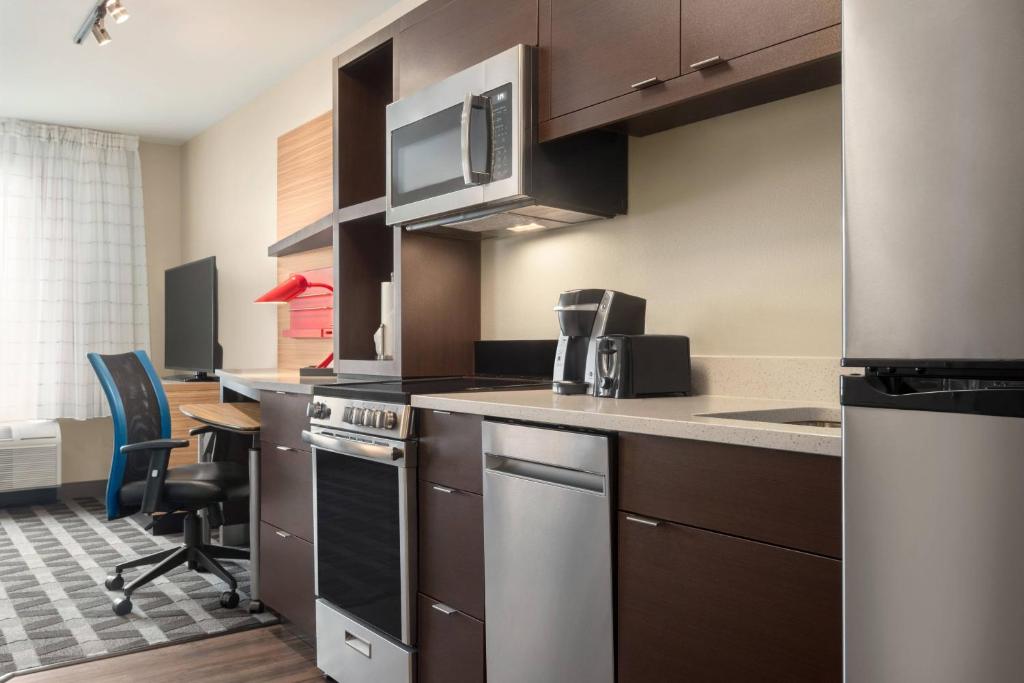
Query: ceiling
x=172, y=70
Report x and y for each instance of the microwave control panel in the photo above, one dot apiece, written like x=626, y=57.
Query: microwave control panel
x=501, y=131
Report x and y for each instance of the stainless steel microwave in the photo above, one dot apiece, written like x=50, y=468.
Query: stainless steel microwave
x=463, y=154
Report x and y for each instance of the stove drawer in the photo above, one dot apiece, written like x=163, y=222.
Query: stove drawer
x=350, y=652
x=450, y=449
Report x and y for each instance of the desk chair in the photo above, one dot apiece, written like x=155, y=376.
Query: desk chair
x=140, y=481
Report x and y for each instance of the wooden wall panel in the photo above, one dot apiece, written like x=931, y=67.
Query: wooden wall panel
x=178, y=394
x=304, y=174
x=295, y=353
x=304, y=194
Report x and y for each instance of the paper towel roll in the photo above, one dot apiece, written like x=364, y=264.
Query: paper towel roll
x=387, y=320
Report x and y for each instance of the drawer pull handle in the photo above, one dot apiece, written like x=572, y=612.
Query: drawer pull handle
x=442, y=489
x=358, y=644
x=283, y=534
x=704, y=63
x=643, y=520
x=646, y=83
x=286, y=449
x=442, y=412
x=444, y=609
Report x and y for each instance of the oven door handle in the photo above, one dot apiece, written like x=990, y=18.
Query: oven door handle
x=349, y=447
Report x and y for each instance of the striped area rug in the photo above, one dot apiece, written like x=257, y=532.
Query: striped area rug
x=53, y=605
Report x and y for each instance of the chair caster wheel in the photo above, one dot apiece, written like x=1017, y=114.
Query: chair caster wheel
x=229, y=599
x=114, y=582
x=255, y=607
x=123, y=607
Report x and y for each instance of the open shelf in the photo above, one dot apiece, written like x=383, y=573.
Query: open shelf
x=369, y=210
x=363, y=88
x=314, y=236
x=364, y=258
x=436, y=280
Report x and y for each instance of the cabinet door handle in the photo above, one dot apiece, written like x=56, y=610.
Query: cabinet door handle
x=283, y=534
x=444, y=609
x=643, y=520
x=710, y=61
x=646, y=83
x=441, y=412
x=358, y=644
x=442, y=489
x=286, y=449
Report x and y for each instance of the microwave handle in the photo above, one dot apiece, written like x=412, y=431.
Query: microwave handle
x=472, y=102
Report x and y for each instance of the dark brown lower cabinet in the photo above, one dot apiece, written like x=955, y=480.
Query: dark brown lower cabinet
x=286, y=577
x=451, y=644
x=286, y=489
x=451, y=547
x=694, y=605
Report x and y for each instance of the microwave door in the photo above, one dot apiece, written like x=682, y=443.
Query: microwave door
x=425, y=147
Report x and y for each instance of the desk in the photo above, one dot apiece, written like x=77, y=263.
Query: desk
x=179, y=393
x=244, y=419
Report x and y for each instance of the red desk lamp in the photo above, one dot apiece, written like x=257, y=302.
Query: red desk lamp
x=294, y=286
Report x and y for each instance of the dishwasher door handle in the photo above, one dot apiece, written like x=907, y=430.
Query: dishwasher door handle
x=541, y=473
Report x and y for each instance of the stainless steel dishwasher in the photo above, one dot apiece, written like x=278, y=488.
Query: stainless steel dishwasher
x=547, y=555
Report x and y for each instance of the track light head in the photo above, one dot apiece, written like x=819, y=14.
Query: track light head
x=100, y=33
x=117, y=12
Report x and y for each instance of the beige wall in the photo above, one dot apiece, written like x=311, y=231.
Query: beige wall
x=732, y=236
x=86, y=444
x=229, y=185
x=161, y=189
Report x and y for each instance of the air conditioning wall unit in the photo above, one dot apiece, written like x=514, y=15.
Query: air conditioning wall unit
x=29, y=462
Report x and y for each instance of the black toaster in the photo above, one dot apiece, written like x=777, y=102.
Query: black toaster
x=639, y=365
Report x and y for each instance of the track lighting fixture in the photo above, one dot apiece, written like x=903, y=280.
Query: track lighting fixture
x=100, y=33
x=117, y=12
x=94, y=21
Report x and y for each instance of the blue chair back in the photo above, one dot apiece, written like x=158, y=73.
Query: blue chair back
x=138, y=406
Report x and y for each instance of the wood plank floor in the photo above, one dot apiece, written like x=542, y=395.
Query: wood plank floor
x=272, y=653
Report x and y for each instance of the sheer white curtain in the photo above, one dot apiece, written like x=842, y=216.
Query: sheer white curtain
x=72, y=265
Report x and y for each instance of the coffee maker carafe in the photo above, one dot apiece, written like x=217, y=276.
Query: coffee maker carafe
x=584, y=315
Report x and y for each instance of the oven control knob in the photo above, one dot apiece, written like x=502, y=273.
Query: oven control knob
x=368, y=418
x=357, y=416
x=346, y=414
x=390, y=419
x=378, y=419
x=318, y=410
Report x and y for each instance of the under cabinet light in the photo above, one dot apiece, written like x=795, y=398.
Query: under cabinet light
x=527, y=227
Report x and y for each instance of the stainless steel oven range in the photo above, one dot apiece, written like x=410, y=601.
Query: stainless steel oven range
x=364, y=489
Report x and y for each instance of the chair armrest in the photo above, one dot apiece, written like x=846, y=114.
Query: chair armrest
x=156, y=473
x=155, y=443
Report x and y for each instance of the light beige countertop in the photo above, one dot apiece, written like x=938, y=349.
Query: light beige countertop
x=682, y=417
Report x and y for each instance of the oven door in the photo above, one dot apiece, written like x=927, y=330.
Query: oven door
x=458, y=144
x=365, y=529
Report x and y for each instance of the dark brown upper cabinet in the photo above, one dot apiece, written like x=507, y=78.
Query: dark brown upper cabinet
x=714, y=31
x=441, y=38
x=644, y=66
x=594, y=50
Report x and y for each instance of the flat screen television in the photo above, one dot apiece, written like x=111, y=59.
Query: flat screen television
x=190, y=319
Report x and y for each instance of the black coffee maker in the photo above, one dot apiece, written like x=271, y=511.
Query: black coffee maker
x=584, y=315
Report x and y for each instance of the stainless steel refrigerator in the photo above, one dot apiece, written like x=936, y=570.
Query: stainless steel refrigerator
x=933, y=433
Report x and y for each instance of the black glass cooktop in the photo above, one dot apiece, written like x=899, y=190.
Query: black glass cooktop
x=400, y=390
